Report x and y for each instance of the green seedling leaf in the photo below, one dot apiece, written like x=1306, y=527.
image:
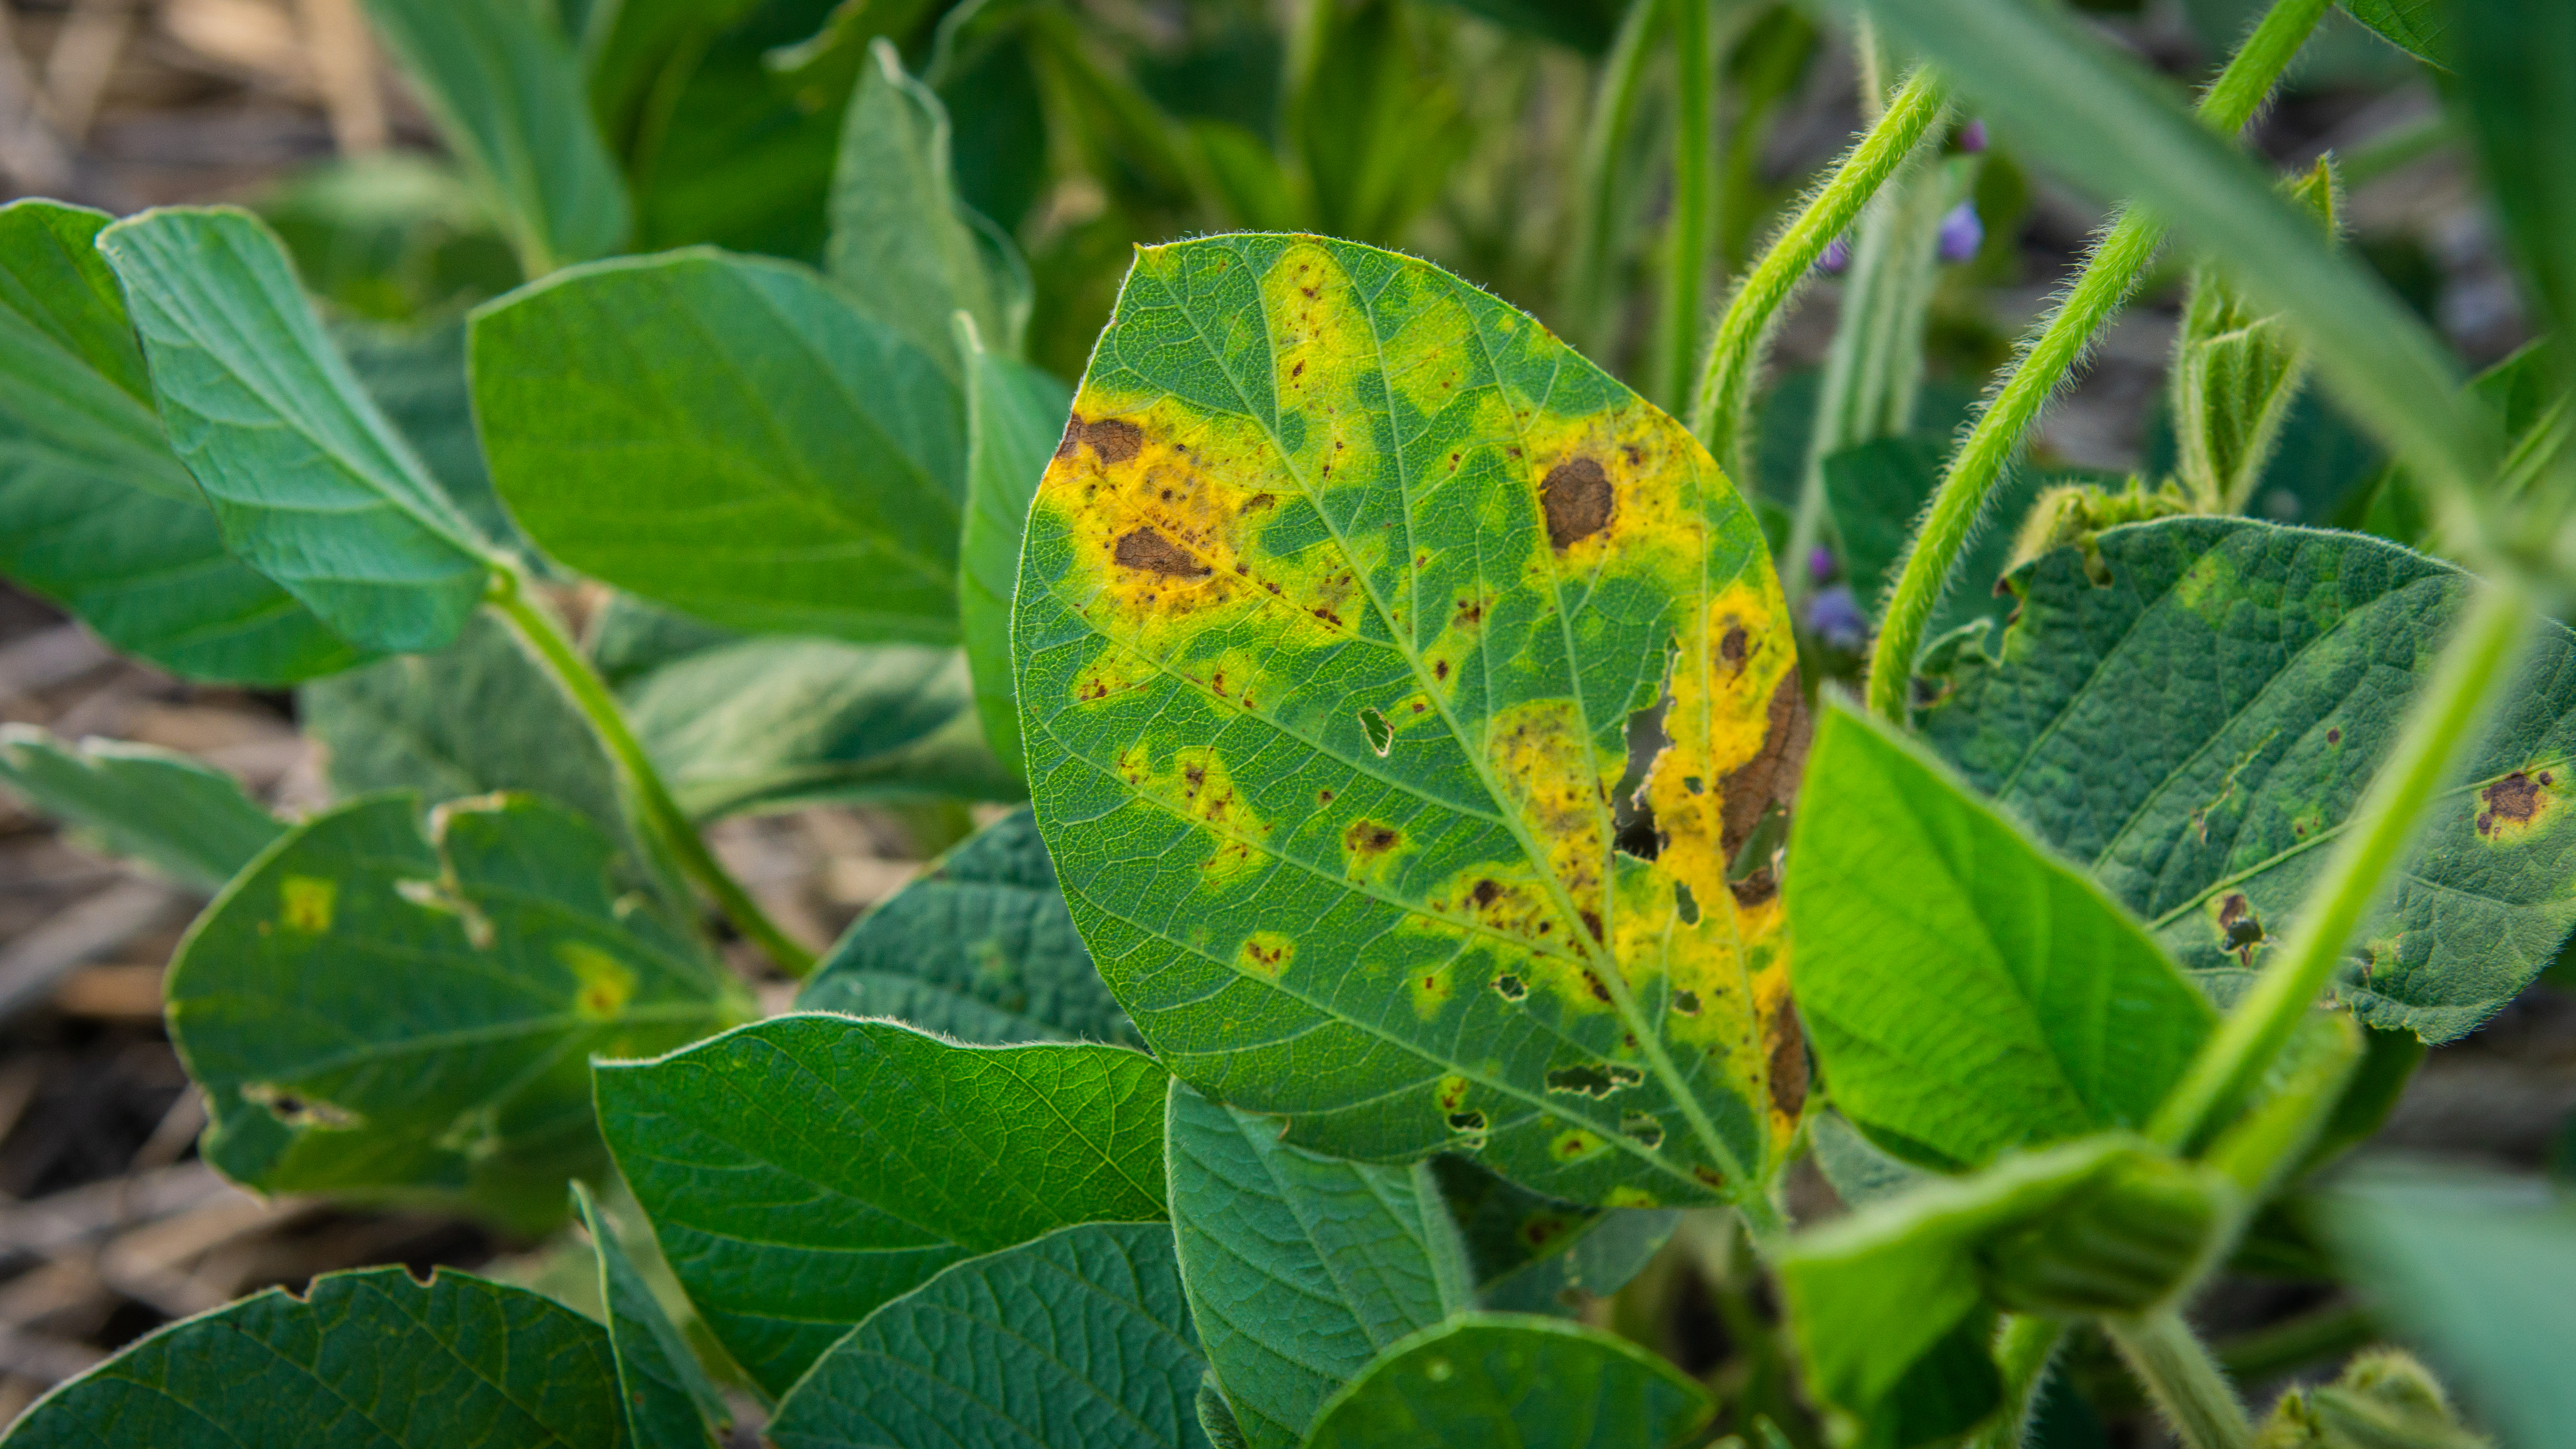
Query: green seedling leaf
x=1335, y=608
x=2417, y=27
x=2512, y=60
x=1965, y=992
x=979, y=948
x=1014, y=415
x=726, y=436
x=1531, y=1253
x=2249, y=679
x=1079, y=1338
x=184, y=819
x=2382, y=1397
x=1300, y=1269
x=374, y=1010
x=371, y=1358
x=96, y=513
x=507, y=95
x=666, y=1399
x=805, y=1170
x=310, y=483
x=2236, y=371
x=771, y=724
x=1491, y=1379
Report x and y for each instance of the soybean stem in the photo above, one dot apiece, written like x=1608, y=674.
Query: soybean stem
x=2183, y=1379
x=1597, y=231
x=2023, y=1349
x=1686, y=238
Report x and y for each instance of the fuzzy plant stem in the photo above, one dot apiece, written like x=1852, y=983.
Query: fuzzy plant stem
x=508, y=595
x=2109, y=275
x=2023, y=1348
x=1686, y=240
x=2195, y=1396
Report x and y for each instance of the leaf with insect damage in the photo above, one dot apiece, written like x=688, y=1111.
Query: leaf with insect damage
x=1338, y=610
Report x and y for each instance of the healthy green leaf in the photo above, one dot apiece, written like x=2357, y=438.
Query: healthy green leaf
x=374, y=1010
x=1488, y=1380
x=1861, y=1172
x=1531, y=1253
x=726, y=436
x=310, y=484
x=664, y=1397
x=368, y=1360
x=2236, y=371
x=186, y=820
x=96, y=512
x=1080, y=1338
x=417, y=376
x=2512, y=56
x=1014, y=417
x=978, y=948
x=631, y=48
x=1876, y=491
x=2249, y=679
x=392, y=236
x=1300, y=1269
x=629, y=639
x=2417, y=27
x=1965, y=993
x=1335, y=608
x=804, y=1170
x=507, y=94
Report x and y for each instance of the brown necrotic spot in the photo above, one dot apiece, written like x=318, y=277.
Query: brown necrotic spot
x=1145, y=549
x=1731, y=648
x=1788, y=1064
x=1112, y=440
x=1485, y=892
x=1575, y=495
x=1367, y=837
x=2512, y=801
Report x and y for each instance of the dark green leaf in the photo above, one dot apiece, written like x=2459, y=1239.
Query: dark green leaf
x=2417, y=27
x=372, y=1010
x=368, y=1360
x=642, y=43
x=1531, y=1253
x=1079, y=1340
x=1876, y=492
x=392, y=236
x=1488, y=1380
x=728, y=437
x=665, y=1397
x=417, y=376
x=1860, y=1171
x=1586, y=25
x=185, y=819
x=2249, y=679
x=1014, y=416
x=2513, y=57
x=805, y=1170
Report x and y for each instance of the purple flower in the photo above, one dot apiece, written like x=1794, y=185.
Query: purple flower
x=1961, y=233
x=1972, y=136
x=1837, y=256
x=1820, y=563
x=1834, y=617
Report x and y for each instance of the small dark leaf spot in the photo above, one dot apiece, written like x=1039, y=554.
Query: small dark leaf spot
x=2335, y=736
x=1145, y=549
x=1485, y=892
x=1576, y=498
x=1593, y=983
x=1731, y=648
x=1440, y=669
x=1592, y=923
x=1367, y=837
x=1510, y=987
x=1709, y=1176
x=1466, y=1121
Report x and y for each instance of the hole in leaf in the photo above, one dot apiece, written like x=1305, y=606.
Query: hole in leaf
x=1590, y=1081
x=1685, y=905
x=1381, y=735
x=1510, y=987
x=1646, y=1132
x=1686, y=1002
x=1467, y=1121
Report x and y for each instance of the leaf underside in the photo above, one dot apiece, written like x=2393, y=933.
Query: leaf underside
x=667, y=1401
x=186, y=819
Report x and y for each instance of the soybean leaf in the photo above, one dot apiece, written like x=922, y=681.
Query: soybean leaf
x=769, y=724
x=417, y=376
x=2250, y=679
x=726, y=436
x=394, y=236
x=371, y=1358
x=2512, y=57
x=978, y=948
x=1080, y=1338
x=96, y=512
x=1531, y=1253
x=804, y=1170
x=507, y=94
x=186, y=820
x=1861, y=1172
x=628, y=638
x=632, y=49
x=1014, y=417
x=1966, y=993
x=1334, y=611
x=1490, y=1379
x=1876, y=490
x=379, y=1011
x=1353, y=1254
x=310, y=484
x=664, y=1397
x=2417, y=27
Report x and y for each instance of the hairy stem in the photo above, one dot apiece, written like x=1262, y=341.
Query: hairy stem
x=2109, y=275
x=1686, y=242
x=2185, y=1381
x=1594, y=254
x=2023, y=1349
x=662, y=814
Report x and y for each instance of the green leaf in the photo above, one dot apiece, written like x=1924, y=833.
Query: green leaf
x=1861, y=1172
x=392, y=236
x=1324, y=742
x=665, y=1398
x=2512, y=57
x=368, y=1360
x=310, y=484
x=2249, y=679
x=1965, y=993
x=2417, y=27
x=1014, y=417
x=186, y=820
x=1079, y=1338
x=377, y=1011
x=2236, y=371
x=978, y=948
x=629, y=638
x=507, y=94
x=417, y=376
x=726, y=436
x=1300, y=1269
x=1531, y=1253
x=804, y=1170
x=770, y=724
x=1876, y=492
x=1490, y=1379
x=96, y=512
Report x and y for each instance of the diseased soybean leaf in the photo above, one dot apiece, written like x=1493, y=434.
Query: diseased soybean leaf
x=727, y=436
x=185, y=819
x=1531, y=1253
x=978, y=948
x=1300, y=1269
x=1079, y=1340
x=664, y=1396
x=366, y=1360
x=507, y=94
x=96, y=513
x=1334, y=611
x=1493, y=1379
x=1965, y=993
x=2416, y=27
x=1014, y=416
x=802, y=1171
x=377, y=1011
x=2248, y=679
x=310, y=483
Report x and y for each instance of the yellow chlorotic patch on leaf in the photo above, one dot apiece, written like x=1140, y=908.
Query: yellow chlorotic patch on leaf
x=604, y=984
x=1266, y=953
x=304, y=903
